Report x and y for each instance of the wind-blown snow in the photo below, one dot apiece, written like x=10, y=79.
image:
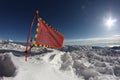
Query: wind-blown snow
x=68, y=63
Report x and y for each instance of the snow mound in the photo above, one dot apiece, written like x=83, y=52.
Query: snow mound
x=86, y=63
x=7, y=68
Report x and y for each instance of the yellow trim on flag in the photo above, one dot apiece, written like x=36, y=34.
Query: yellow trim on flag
x=35, y=45
x=36, y=29
x=46, y=24
x=36, y=36
x=39, y=19
x=38, y=24
x=34, y=42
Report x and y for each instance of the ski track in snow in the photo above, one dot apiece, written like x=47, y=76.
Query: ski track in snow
x=68, y=63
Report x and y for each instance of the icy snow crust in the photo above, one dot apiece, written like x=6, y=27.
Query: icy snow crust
x=68, y=63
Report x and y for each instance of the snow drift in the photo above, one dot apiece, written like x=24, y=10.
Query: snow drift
x=68, y=63
x=7, y=68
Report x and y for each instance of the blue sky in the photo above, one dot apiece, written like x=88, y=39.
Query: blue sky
x=76, y=19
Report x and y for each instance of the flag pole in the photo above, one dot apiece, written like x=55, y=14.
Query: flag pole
x=29, y=33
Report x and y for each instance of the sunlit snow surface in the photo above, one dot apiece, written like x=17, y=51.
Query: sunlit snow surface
x=68, y=63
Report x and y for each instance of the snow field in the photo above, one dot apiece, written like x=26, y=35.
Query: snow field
x=68, y=63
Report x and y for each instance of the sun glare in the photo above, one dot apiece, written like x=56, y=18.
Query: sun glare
x=110, y=22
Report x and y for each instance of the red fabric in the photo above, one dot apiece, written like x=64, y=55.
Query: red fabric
x=48, y=36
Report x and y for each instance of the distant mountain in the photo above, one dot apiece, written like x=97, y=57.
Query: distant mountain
x=116, y=48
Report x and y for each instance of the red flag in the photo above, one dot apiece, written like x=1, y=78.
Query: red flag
x=47, y=36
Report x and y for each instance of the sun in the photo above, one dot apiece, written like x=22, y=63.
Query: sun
x=110, y=22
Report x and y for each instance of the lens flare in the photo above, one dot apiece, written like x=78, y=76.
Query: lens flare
x=110, y=22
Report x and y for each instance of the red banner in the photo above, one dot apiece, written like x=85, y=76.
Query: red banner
x=47, y=36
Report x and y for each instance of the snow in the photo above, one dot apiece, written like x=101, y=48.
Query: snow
x=68, y=63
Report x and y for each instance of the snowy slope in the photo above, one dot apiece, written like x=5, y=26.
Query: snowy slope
x=68, y=63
